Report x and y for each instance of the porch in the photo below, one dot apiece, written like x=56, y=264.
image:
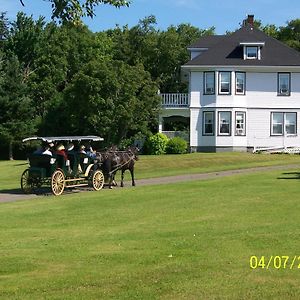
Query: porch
x=175, y=100
x=174, y=119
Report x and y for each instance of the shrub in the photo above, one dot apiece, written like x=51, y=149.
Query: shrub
x=156, y=144
x=176, y=145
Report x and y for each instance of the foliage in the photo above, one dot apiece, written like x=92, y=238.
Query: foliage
x=65, y=79
x=16, y=110
x=112, y=99
x=161, y=52
x=74, y=10
x=291, y=34
x=156, y=144
x=176, y=145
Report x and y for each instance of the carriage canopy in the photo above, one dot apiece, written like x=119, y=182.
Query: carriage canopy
x=51, y=139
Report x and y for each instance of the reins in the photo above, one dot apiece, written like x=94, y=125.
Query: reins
x=122, y=165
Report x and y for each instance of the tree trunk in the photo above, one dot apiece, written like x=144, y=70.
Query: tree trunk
x=10, y=151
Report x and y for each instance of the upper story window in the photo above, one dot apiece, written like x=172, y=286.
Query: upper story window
x=209, y=83
x=284, y=80
x=251, y=52
x=225, y=83
x=240, y=80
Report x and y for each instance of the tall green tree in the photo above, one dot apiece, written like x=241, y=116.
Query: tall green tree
x=112, y=99
x=290, y=34
x=161, y=52
x=74, y=10
x=16, y=109
x=4, y=27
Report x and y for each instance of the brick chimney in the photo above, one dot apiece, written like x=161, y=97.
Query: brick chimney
x=250, y=20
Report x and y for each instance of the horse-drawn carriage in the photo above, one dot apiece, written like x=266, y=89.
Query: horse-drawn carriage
x=60, y=170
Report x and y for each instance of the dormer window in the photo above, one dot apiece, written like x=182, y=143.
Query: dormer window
x=252, y=50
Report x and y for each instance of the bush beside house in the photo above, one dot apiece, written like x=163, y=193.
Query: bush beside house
x=176, y=145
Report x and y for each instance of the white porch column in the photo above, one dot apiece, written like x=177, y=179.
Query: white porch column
x=160, y=123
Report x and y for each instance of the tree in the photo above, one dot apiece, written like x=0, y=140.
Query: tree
x=16, y=110
x=73, y=10
x=291, y=34
x=161, y=52
x=112, y=99
x=24, y=39
x=4, y=30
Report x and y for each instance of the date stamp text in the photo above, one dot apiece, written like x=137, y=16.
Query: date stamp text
x=275, y=262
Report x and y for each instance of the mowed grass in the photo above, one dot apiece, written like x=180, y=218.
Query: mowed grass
x=168, y=165
x=191, y=240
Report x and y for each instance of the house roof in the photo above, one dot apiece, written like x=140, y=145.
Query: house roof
x=227, y=50
x=207, y=41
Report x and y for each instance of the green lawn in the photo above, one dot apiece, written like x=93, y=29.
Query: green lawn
x=148, y=242
x=191, y=240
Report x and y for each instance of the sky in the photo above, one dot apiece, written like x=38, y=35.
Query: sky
x=223, y=15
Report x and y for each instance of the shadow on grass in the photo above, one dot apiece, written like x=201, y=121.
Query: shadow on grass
x=44, y=191
x=21, y=164
x=37, y=192
x=290, y=175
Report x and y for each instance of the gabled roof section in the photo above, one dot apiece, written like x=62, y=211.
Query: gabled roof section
x=228, y=51
x=207, y=41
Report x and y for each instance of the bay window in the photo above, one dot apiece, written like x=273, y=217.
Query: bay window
x=208, y=123
x=240, y=123
x=224, y=123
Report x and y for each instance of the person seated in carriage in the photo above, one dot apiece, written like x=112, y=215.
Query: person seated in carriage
x=45, y=149
x=90, y=152
x=60, y=150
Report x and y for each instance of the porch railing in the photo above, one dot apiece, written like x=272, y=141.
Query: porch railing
x=175, y=100
x=183, y=134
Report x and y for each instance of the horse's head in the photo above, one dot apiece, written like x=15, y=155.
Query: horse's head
x=134, y=151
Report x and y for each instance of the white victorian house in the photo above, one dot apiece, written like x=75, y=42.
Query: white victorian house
x=244, y=92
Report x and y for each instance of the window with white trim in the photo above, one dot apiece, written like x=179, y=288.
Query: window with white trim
x=291, y=123
x=224, y=82
x=283, y=123
x=277, y=123
x=284, y=84
x=251, y=52
x=208, y=122
x=240, y=79
x=224, y=123
x=209, y=83
x=240, y=123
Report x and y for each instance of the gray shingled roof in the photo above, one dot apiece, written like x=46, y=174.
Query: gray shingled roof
x=207, y=41
x=227, y=51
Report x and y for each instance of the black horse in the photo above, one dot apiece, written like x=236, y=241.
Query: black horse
x=113, y=160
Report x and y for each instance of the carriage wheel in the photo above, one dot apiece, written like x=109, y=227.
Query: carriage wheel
x=97, y=180
x=26, y=184
x=58, y=182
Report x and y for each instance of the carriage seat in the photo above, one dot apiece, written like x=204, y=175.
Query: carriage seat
x=40, y=160
x=41, y=165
